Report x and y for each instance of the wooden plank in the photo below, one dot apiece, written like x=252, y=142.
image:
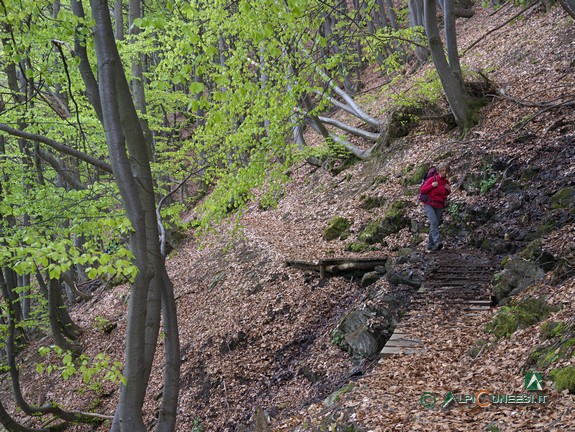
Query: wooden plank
x=389, y=351
x=478, y=308
x=398, y=335
x=343, y=260
x=403, y=344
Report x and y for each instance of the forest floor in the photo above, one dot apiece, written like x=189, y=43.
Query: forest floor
x=256, y=334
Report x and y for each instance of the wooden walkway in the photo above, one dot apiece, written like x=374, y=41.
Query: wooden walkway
x=455, y=279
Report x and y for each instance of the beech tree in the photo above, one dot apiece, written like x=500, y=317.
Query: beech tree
x=448, y=68
x=152, y=290
x=49, y=251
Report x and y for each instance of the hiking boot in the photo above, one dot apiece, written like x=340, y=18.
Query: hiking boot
x=439, y=246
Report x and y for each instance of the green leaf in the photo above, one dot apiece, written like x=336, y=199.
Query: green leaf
x=92, y=272
x=197, y=87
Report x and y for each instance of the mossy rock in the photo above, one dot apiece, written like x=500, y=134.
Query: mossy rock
x=530, y=173
x=534, y=252
x=393, y=222
x=564, y=379
x=542, y=357
x=550, y=330
x=397, y=209
x=525, y=313
x=518, y=274
x=371, y=202
x=552, y=221
x=404, y=252
x=507, y=186
x=564, y=198
x=371, y=234
x=562, y=345
x=358, y=247
x=336, y=227
x=417, y=176
x=549, y=224
x=495, y=245
x=333, y=398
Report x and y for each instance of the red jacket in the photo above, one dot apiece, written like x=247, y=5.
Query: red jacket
x=437, y=195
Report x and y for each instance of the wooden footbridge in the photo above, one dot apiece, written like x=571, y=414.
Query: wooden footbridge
x=455, y=279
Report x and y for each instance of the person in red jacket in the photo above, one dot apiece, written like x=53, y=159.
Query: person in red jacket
x=436, y=188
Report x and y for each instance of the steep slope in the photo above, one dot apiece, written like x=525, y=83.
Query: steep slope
x=257, y=334
x=260, y=334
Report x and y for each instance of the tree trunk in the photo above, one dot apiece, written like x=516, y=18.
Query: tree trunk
x=416, y=20
x=134, y=179
x=449, y=74
x=92, y=91
x=119, y=20
x=62, y=327
x=138, y=92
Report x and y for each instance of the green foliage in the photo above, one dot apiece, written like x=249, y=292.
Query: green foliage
x=197, y=426
x=95, y=372
x=487, y=183
x=337, y=337
x=388, y=46
x=426, y=90
x=525, y=313
x=454, y=209
x=564, y=379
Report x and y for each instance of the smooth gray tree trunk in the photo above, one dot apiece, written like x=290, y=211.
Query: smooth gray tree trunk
x=449, y=74
x=130, y=159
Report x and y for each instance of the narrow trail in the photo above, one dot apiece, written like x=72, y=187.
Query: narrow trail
x=457, y=288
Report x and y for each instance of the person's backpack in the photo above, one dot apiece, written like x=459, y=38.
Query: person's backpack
x=431, y=173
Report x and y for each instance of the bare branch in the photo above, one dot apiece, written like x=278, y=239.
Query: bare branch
x=57, y=146
x=353, y=130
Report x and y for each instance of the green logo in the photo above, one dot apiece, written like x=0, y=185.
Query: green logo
x=428, y=400
x=448, y=399
x=533, y=381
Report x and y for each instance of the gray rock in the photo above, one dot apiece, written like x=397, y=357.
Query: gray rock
x=370, y=277
x=518, y=275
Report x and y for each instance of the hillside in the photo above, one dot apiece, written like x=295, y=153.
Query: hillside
x=257, y=336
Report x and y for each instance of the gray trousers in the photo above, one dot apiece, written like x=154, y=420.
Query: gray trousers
x=434, y=215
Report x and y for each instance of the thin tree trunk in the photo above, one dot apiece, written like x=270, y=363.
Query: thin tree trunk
x=455, y=91
x=92, y=91
x=416, y=20
x=119, y=20
x=58, y=328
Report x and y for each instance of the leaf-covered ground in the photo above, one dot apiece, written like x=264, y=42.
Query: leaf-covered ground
x=255, y=333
